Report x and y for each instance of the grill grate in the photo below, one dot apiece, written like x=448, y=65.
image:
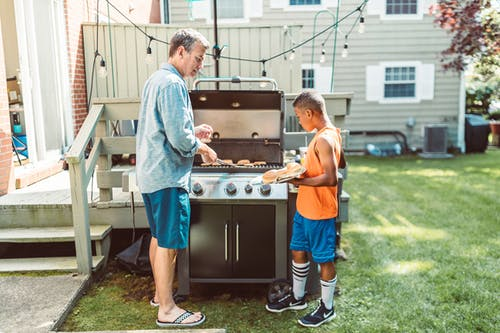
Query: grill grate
x=237, y=169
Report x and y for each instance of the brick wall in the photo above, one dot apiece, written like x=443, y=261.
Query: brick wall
x=75, y=13
x=6, y=167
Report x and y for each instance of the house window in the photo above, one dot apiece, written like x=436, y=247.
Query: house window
x=399, y=82
x=229, y=9
x=307, y=78
x=401, y=7
x=304, y=2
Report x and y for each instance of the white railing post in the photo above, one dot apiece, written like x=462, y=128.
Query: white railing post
x=81, y=223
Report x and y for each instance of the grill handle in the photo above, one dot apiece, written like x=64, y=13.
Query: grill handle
x=235, y=79
x=225, y=241
x=237, y=242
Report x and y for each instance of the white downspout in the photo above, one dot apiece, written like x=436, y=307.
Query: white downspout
x=461, y=114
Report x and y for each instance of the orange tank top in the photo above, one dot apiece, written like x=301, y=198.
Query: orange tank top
x=319, y=202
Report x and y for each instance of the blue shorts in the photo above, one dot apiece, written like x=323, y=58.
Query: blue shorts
x=168, y=212
x=315, y=236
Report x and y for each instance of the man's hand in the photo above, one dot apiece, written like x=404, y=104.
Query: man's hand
x=203, y=132
x=208, y=155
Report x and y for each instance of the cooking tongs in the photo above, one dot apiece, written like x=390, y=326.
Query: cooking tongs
x=222, y=162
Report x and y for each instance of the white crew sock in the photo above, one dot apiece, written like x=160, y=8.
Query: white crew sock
x=300, y=272
x=327, y=290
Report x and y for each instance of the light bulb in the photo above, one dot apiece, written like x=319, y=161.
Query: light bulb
x=292, y=55
x=149, y=56
x=345, y=51
x=361, y=29
x=102, y=72
x=322, y=57
x=263, y=84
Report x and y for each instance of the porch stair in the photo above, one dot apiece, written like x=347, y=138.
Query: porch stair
x=99, y=234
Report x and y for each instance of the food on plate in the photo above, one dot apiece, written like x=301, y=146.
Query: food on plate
x=291, y=169
x=243, y=162
x=259, y=163
x=269, y=176
x=228, y=161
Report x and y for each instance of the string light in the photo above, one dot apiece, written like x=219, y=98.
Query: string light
x=323, y=52
x=149, y=54
x=102, y=72
x=264, y=74
x=345, y=51
x=362, y=27
x=149, y=59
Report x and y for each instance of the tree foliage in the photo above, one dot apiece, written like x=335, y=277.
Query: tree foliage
x=474, y=26
x=475, y=45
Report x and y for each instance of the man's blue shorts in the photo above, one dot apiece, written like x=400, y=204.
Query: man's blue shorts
x=168, y=212
x=315, y=236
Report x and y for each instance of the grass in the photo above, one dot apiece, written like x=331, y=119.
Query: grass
x=423, y=246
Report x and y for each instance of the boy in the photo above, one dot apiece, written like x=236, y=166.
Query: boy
x=314, y=221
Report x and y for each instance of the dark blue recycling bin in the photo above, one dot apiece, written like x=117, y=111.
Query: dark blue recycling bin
x=477, y=130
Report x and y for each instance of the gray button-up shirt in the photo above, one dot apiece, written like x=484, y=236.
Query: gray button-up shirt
x=166, y=142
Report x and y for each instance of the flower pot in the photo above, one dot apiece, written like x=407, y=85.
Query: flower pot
x=495, y=132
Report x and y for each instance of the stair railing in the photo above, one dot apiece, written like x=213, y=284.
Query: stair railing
x=96, y=127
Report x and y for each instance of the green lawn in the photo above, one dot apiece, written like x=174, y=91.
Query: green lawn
x=423, y=243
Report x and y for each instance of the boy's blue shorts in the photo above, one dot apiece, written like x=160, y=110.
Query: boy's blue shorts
x=168, y=212
x=315, y=236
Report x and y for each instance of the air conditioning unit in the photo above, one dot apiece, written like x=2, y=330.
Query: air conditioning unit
x=435, y=139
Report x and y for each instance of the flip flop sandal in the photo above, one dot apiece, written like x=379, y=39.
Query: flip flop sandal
x=153, y=303
x=179, y=321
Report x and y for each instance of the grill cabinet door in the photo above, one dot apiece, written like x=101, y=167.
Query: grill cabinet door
x=254, y=242
x=210, y=241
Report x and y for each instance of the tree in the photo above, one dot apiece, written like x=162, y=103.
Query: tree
x=474, y=26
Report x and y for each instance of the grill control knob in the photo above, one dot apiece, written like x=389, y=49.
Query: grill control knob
x=197, y=189
x=231, y=189
x=265, y=189
x=248, y=188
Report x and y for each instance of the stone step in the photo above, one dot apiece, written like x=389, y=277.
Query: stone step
x=100, y=234
x=50, y=234
x=67, y=264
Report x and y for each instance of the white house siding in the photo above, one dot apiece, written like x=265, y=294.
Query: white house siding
x=387, y=39
x=124, y=49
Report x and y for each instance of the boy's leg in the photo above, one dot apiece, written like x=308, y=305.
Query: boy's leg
x=323, y=251
x=294, y=300
x=328, y=282
x=300, y=270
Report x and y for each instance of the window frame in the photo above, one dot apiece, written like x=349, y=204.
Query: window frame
x=229, y=19
x=305, y=79
x=418, y=4
x=401, y=82
x=304, y=4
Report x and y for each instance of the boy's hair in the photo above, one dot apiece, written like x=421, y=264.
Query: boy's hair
x=186, y=38
x=310, y=100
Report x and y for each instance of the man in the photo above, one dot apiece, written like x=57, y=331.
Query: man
x=314, y=222
x=166, y=144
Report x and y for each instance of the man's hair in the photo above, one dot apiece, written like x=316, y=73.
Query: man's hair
x=186, y=38
x=310, y=100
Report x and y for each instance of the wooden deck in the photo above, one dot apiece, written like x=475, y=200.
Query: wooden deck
x=48, y=203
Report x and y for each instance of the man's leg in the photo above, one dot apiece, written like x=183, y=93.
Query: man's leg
x=164, y=271
x=153, y=246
